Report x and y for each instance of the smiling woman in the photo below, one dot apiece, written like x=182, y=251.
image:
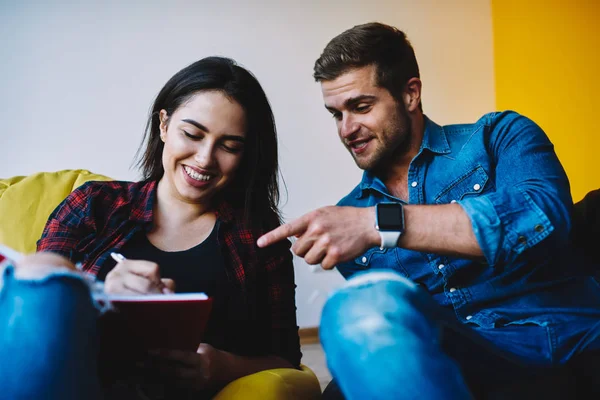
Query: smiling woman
x=209, y=190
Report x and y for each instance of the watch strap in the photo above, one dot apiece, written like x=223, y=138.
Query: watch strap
x=389, y=239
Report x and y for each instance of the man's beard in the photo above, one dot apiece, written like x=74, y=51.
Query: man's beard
x=391, y=146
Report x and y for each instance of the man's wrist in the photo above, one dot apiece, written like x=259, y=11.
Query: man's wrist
x=373, y=237
x=389, y=217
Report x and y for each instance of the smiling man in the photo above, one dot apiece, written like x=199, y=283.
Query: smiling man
x=462, y=282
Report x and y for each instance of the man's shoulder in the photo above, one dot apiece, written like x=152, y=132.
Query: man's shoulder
x=490, y=119
x=494, y=125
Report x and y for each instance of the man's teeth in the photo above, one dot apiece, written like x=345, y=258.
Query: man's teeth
x=194, y=175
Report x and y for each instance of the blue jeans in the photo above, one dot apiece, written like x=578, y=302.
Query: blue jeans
x=385, y=338
x=48, y=338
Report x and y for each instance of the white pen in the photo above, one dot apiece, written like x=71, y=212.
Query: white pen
x=118, y=257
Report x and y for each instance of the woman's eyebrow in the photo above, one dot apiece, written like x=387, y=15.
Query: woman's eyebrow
x=196, y=124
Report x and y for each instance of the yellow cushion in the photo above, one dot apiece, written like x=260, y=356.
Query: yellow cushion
x=274, y=384
x=26, y=202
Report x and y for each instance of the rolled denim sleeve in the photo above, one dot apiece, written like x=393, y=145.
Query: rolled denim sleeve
x=532, y=201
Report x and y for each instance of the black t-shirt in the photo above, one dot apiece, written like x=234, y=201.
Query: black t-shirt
x=199, y=269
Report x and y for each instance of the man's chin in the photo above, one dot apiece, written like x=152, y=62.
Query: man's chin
x=366, y=164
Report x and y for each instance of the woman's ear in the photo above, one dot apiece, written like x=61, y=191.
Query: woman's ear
x=164, y=123
x=412, y=94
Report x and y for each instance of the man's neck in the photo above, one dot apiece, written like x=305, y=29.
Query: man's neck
x=395, y=175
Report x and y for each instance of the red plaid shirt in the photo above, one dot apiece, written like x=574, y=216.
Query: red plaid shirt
x=100, y=217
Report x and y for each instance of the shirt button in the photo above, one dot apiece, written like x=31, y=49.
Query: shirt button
x=468, y=317
x=364, y=259
x=539, y=228
x=522, y=239
x=453, y=201
x=477, y=186
x=414, y=184
x=452, y=290
x=441, y=266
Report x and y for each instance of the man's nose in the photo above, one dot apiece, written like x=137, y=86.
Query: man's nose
x=348, y=126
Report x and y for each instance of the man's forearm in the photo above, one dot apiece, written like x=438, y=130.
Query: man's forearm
x=441, y=229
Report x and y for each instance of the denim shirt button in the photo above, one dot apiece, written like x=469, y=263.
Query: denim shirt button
x=522, y=239
x=414, y=184
x=452, y=201
x=476, y=187
x=441, y=266
x=468, y=317
x=452, y=290
x=364, y=259
x=539, y=228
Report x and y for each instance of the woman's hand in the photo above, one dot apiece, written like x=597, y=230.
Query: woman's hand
x=196, y=371
x=137, y=277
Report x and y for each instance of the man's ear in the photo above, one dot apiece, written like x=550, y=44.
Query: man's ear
x=164, y=123
x=412, y=94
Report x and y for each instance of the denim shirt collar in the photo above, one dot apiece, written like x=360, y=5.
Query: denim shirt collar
x=434, y=140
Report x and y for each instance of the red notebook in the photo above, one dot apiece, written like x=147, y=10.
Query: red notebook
x=137, y=324
x=175, y=321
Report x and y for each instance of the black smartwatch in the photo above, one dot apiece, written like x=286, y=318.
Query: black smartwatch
x=389, y=222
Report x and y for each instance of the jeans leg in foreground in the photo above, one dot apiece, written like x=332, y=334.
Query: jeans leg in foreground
x=48, y=339
x=381, y=342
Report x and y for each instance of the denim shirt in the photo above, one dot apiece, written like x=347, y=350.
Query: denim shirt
x=504, y=173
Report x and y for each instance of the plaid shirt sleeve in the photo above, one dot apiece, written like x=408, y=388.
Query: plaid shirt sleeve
x=281, y=287
x=68, y=225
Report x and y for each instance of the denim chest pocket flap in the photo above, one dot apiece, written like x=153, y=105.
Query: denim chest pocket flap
x=472, y=182
x=365, y=259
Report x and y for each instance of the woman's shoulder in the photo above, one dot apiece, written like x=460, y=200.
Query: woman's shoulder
x=100, y=200
x=113, y=186
x=115, y=190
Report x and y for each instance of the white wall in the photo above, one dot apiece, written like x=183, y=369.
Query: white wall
x=77, y=80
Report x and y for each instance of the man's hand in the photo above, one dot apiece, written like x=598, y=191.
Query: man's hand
x=329, y=235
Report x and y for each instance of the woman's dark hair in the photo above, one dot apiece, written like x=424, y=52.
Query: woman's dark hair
x=255, y=187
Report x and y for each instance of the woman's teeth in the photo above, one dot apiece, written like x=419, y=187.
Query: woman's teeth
x=194, y=175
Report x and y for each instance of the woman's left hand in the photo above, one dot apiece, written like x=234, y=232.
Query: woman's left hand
x=195, y=371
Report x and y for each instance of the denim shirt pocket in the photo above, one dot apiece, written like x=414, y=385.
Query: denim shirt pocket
x=365, y=260
x=473, y=182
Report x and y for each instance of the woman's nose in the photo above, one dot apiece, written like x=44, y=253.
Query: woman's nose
x=204, y=155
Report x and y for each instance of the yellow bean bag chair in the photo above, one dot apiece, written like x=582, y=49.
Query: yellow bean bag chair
x=26, y=203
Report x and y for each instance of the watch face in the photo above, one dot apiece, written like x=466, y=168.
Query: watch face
x=390, y=217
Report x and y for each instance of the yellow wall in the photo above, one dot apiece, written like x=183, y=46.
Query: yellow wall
x=547, y=67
